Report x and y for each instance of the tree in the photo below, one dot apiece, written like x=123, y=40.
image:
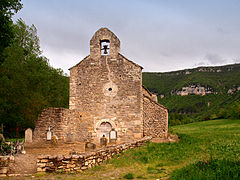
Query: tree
x=7, y=9
x=28, y=83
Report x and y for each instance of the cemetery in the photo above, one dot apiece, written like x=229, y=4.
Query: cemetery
x=109, y=112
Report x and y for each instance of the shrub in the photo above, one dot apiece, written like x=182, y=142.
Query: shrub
x=128, y=176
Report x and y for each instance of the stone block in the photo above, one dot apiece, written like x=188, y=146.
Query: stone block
x=41, y=165
x=84, y=168
x=44, y=160
x=39, y=169
x=3, y=170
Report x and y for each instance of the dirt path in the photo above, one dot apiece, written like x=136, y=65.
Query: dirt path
x=24, y=164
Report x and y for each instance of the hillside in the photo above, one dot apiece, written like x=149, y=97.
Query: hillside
x=199, y=92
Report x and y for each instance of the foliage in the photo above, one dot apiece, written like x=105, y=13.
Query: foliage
x=7, y=9
x=211, y=106
x=5, y=149
x=128, y=176
x=28, y=83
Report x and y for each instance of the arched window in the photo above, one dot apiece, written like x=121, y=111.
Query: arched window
x=105, y=47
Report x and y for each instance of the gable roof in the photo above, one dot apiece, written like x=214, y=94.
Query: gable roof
x=118, y=53
x=130, y=61
x=147, y=90
x=79, y=62
x=160, y=105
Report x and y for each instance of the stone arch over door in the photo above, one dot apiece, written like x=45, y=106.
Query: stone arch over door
x=104, y=129
x=101, y=122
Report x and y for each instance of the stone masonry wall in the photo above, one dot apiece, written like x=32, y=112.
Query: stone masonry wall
x=108, y=89
x=67, y=125
x=106, y=93
x=81, y=162
x=4, y=164
x=155, y=118
x=147, y=93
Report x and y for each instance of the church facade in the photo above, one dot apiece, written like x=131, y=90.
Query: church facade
x=106, y=94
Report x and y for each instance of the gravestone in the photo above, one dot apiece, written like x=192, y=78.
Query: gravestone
x=28, y=135
x=90, y=146
x=113, y=136
x=49, y=134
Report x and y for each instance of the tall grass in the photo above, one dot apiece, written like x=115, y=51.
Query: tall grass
x=213, y=142
x=213, y=169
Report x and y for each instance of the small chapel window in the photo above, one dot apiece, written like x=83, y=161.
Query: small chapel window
x=105, y=47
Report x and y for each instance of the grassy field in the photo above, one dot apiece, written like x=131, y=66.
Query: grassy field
x=209, y=146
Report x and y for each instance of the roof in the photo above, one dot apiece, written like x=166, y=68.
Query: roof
x=147, y=90
x=156, y=102
x=131, y=61
x=119, y=54
x=79, y=62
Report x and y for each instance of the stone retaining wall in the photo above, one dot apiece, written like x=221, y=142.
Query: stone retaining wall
x=81, y=162
x=4, y=164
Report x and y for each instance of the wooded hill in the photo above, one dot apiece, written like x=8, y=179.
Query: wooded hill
x=218, y=90
x=28, y=84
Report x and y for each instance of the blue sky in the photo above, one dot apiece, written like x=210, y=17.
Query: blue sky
x=160, y=35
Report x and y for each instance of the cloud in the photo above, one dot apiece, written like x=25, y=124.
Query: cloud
x=236, y=60
x=214, y=58
x=200, y=64
x=158, y=35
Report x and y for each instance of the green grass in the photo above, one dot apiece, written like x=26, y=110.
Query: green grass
x=205, y=148
x=212, y=169
x=201, y=141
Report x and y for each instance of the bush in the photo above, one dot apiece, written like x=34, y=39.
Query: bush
x=129, y=176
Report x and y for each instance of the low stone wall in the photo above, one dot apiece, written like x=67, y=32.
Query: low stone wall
x=81, y=162
x=68, y=125
x=4, y=164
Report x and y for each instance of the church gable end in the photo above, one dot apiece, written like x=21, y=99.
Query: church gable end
x=105, y=94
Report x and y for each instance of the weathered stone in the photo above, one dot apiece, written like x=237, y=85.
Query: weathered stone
x=41, y=165
x=87, y=160
x=90, y=146
x=59, y=157
x=70, y=166
x=83, y=167
x=28, y=135
x=106, y=93
x=39, y=169
x=155, y=115
x=3, y=170
x=75, y=156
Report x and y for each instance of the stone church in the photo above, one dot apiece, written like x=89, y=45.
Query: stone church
x=106, y=94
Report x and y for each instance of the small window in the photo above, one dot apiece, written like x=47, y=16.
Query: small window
x=105, y=47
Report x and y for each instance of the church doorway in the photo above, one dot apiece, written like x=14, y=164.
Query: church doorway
x=104, y=129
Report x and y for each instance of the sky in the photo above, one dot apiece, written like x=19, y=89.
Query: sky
x=159, y=35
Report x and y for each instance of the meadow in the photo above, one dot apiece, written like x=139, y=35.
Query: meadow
x=206, y=150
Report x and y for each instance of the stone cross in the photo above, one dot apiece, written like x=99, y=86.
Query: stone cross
x=28, y=135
